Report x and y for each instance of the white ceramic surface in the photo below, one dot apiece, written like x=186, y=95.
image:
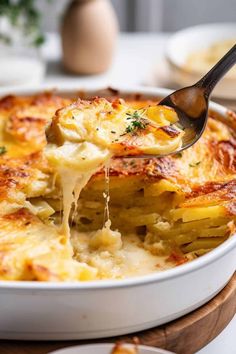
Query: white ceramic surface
x=107, y=349
x=43, y=311
x=192, y=39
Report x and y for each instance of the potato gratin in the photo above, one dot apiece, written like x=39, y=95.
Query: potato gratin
x=69, y=211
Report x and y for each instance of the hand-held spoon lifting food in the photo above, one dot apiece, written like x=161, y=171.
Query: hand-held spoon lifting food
x=191, y=103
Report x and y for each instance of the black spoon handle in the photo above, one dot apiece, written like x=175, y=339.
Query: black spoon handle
x=209, y=81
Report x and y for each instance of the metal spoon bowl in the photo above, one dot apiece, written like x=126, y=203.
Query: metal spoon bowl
x=191, y=103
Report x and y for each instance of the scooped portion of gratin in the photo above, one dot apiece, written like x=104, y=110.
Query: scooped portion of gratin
x=86, y=135
x=70, y=211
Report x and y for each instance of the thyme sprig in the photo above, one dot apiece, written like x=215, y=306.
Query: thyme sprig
x=137, y=122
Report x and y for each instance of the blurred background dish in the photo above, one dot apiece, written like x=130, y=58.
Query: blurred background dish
x=107, y=349
x=193, y=51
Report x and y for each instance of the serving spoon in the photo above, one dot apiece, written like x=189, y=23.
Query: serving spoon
x=191, y=103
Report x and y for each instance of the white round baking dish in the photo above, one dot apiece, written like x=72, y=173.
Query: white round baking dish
x=60, y=311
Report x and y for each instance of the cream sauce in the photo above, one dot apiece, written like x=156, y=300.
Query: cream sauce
x=127, y=261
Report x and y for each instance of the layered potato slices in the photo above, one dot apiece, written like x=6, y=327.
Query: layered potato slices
x=73, y=207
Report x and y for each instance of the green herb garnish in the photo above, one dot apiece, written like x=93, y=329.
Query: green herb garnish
x=3, y=150
x=194, y=164
x=137, y=122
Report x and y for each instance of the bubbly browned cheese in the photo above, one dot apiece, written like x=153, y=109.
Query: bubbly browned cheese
x=24, y=171
x=179, y=206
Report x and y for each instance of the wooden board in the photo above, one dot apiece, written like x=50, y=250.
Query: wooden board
x=178, y=336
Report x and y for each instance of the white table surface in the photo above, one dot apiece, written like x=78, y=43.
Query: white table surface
x=135, y=63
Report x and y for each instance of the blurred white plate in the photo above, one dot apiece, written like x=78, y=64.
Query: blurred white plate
x=106, y=349
x=193, y=39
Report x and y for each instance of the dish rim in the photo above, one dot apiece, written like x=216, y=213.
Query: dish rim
x=176, y=272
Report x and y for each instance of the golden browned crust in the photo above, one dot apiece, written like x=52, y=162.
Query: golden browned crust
x=170, y=131
x=23, y=174
x=45, y=100
x=21, y=217
x=226, y=191
x=23, y=119
x=27, y=129
x=225, y=153
x=148, y=168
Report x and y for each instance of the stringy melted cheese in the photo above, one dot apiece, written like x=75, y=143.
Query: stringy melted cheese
x=87, y=134
x=75, y=163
